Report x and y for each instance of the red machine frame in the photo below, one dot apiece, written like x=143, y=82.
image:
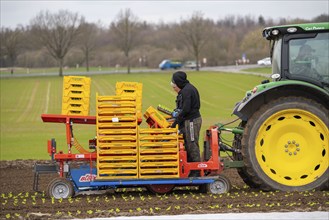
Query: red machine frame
x=68, y=120
x=212, y=167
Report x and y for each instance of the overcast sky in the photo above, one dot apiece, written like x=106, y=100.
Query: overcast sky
x=15, y=12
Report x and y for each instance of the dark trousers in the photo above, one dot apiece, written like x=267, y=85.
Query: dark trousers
x=191, y=135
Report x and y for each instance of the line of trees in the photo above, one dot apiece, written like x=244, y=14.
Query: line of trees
x=65, y=39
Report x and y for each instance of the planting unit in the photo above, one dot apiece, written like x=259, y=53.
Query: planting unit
x=124, y=153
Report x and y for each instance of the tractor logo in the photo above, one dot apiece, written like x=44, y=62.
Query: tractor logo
x=202, y=165
x=87, y=178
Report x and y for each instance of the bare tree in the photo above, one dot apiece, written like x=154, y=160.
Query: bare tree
x=87, y=41
x=57, y=32
x=195, y=33
x=125, y=33
x=10, y=43
x=253, y=43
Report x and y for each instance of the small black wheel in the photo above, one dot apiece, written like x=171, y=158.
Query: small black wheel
x=60, y=188
x=221, y=185
x=203, y=188
x=160, y=188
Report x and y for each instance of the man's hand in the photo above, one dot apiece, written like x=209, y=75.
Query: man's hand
x=176, y=113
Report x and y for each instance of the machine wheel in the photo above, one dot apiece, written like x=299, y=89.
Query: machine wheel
x=160, y=188
x=60, y=188
x=285, y=145
x=221, y=185
x=203, y=188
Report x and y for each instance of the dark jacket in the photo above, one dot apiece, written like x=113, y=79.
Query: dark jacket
x=187, y=100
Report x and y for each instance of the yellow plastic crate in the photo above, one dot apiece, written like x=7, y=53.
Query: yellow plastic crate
x=77, y=87
x=75, y=112
x=119, y=173
x=115, y=98
x=116, y=111
x=129, y=86
x=157, y=158
x=158, y=176
x=76, y=94
x=117, y=119
x=117, y=159
x=114, y=125
x=158, y=130
x=124, y=92
x=172, y=144
x=118, y=165
x=117, y=138
x=155, y=116
x=75, y=109
x=158, y=151
x=77, y=100
x=118, y=151
x=156, y=164
x=110, y=174
x=122, y=104
x=160, y=173
x=121, y=145
x=132, y=132
x=81, y=80
x=75, y=106
x=158, y=137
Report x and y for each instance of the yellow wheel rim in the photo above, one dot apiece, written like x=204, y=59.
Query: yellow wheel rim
x=292, y=147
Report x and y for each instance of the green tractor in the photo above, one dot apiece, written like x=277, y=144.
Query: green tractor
x=285, y=140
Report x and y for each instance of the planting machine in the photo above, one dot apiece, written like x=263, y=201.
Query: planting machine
x=124, y=154
x=281, y=142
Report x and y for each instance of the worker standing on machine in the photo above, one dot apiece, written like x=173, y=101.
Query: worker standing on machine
x=187, y=116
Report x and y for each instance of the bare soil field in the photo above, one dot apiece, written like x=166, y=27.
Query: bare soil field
x=19, y=201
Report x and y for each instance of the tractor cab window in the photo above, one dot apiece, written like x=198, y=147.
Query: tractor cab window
x=276, y=57
x=308, y=58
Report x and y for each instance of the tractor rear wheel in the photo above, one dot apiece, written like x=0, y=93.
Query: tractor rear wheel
x=60, y=188
x=285, y=145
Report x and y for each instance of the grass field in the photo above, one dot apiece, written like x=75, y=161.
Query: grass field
x=266, y=69
x=23, y=100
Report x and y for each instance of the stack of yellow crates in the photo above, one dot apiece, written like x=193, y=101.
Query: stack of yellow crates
x=158, y=153
x=131, y=89
x=126, y=151
x=117, y=143
x=76, y=95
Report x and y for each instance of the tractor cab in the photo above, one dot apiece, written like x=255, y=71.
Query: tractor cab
x=300, y=52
